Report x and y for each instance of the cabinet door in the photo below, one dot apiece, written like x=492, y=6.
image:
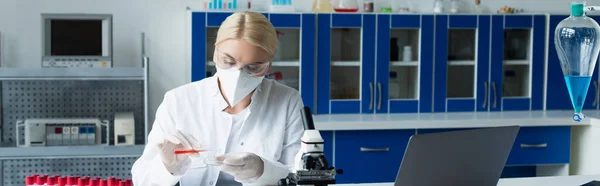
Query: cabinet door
x=346, y=63
x=370, y=156
x=557, y=94
x=461, y=68
x=204, y=34
x=204, y=29
x=294, y=62
x=517, y=64
x=404, y=65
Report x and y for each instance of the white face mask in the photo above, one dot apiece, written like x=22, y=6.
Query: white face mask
x=237, y=84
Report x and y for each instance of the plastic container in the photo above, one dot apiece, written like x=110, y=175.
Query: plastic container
x=322, y=6
x=394, y=86
x=577, y=43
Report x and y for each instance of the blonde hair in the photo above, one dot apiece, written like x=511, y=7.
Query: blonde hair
x=252, y=27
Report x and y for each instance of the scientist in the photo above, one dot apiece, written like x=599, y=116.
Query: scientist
x=252, y=124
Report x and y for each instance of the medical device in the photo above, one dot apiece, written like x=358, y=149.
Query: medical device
x=76, y=41
x=61, y=131
x=577, y=43
x=312, y=167
x=124, y=129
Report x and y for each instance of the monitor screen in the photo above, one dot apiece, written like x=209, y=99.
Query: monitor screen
x=76, y=37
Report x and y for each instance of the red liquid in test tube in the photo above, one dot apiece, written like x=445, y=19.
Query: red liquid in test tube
x=93, y=182
x=40, y=180
x=51, y=181
x=103, y=183
x=61, y=181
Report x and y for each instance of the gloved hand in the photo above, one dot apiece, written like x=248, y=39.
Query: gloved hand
x=242, y=165
x=177, y=164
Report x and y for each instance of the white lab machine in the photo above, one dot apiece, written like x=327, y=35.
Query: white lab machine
x=124, y=129
x=77, y=40
x=61, y=131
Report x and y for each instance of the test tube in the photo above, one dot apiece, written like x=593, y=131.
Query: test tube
x=62, y=181
x=40, y=180
x=70, y=181
x=111, y=181
x=50, y=181
x=29, y=180
x=93, y=182
x=103, y=183
x=220, y=4
x=234, y=4
x=128, y=182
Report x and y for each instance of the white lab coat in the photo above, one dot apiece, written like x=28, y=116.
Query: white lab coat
x=272, y=130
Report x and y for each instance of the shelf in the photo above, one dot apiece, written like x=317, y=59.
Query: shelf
x=72, y=73
x=461, y=63
x=346, y=63
x=516, y=62
x=70, y=152
x=449, y=120
x=405, y=64
x=275, y=63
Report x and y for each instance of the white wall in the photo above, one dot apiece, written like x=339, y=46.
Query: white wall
x=164, y=23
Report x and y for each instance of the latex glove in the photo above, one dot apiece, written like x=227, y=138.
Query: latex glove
x=177, y=164
x=242, y=165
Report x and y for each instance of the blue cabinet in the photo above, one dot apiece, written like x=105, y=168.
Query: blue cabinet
x=557, y=95
x=346, y=63
x=541, y=145
x=462, y=63
x=370, y=156
x=328, y=149
x=404, y=64
x=517, y=62
x=293, y=64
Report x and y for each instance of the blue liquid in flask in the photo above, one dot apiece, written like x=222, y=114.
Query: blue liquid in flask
x=578, y=88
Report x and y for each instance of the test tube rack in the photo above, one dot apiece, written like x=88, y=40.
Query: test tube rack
x=281, y=6
x=220, y=5
x=45, y=180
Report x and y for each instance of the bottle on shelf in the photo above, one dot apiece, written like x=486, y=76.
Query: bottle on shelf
x=454, y=6
x=368, y=6
x=407, y=54
x=323, y=6
x=477, y=9
x=438, y=6
x=394, y=85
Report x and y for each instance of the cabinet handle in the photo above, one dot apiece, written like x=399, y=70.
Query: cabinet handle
x=371, y=96
x=596, y=93
x=379, y=105
x=364, y=149
x=542, y=145
x=487, y=89
x=495, y=94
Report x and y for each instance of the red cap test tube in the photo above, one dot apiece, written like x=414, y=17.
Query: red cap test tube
x=40, y=180
x=29, y=180
x=103, y=183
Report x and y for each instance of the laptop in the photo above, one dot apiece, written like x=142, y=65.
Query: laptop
x=474, y=157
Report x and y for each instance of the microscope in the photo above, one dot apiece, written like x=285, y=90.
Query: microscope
x=311, y=167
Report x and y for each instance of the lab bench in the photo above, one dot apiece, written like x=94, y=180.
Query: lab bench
x=358, y=143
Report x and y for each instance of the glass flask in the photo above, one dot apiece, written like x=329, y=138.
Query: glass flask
x=346, y=6
x=577, y=43
x=321, y=6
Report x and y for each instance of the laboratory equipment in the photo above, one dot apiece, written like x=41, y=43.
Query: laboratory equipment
x=477, y=8
x=407, y=54
x=321, y=6
x=77, y=41
x=577, y=43
x=346, y=6
x=394, y=85
x=312, y=167
x=454, y=6
x=220, y=5
x=368, y=6
x=438, y=6
x=45, y=180
x=394, y=49
x=124, y=129
x=188, y=151
x=282, y=6
x=61, y=131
